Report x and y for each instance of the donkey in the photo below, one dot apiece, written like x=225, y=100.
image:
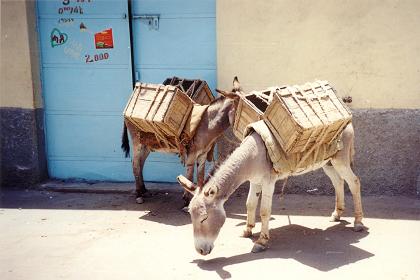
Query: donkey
x=250, y=162
x=217, y=118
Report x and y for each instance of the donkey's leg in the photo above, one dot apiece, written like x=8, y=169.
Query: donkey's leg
x=201, y=169
x=265, y=213
x=338, y=184
x=201, y=164
x=342, y=164
x=189, y=172
x=186, y=196
x=251, y=207
x=141, y=152
x=344, y=170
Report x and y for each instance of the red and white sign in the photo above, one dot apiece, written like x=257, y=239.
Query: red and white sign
x=104, y=40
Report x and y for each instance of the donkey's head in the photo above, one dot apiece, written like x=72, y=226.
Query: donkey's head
x=207, y=214
x=231, y=99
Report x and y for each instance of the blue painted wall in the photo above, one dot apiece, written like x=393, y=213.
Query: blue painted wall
x=85, y=94
x=85, y=88
x=184, y=46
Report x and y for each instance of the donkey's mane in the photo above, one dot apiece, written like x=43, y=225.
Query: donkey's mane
x=217, y=99
x=217, y=165
x=212, y=171
x=225, y=174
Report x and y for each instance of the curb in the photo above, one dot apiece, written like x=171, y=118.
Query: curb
x=107, y=188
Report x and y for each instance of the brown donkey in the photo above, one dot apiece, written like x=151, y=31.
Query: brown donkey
x=217, y=118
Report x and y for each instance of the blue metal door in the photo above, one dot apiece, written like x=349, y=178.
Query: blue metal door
x=173, y=38
x=87, y=79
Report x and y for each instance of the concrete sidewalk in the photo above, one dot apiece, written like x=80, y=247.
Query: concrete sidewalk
x=106, y=235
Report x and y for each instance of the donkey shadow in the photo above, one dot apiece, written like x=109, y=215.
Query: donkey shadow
x=320, y=249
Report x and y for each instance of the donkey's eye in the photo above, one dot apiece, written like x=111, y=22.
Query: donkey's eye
x=205, y=218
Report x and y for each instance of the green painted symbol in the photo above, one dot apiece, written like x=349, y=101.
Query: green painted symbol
x=58, y=38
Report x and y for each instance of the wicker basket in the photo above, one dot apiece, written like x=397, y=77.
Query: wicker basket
x=251, y=108
x=302, y=116
x=159, y=109
x=197, y=90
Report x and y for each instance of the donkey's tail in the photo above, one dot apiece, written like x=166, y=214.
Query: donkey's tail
x=125, y=145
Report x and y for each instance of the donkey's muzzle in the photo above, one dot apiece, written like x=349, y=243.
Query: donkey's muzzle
x=205, y=250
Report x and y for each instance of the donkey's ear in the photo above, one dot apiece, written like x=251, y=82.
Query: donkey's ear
x=186, y=184
x=236, y=84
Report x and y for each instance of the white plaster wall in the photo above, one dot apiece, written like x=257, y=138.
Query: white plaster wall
x=20, y=80
x=369, y=49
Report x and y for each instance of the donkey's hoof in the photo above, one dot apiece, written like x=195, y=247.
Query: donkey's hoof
x=258, y=248
x=334, y=218
x=246, y=234
x=139, y=200
x=358, y=227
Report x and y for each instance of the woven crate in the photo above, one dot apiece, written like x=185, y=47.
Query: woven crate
x=251, y=108
x=159, y=109
x=300, y=116
x=197, y=90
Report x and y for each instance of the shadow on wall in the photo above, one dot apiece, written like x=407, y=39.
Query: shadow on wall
x=320, y=249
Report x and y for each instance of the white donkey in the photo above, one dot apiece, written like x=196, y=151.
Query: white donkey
x=250, y=162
